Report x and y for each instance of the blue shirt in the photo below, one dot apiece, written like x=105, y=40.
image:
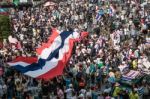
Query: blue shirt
x=68, y=82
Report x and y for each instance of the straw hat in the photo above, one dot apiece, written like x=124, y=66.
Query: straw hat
x=111, y=74
x=117, y=84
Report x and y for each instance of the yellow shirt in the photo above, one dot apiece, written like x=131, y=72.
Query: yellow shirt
x=116, y=91
x=134, y=64
x=133, y=96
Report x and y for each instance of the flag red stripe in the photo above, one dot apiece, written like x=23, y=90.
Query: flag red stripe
x=58, y=70
x=28, y=60
x=50, y=41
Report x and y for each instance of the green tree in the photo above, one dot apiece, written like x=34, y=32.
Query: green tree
x=4, y=27
x=16, y=2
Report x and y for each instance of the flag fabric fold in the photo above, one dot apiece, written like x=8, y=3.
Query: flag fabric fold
x=51, y=39
x=53, y=57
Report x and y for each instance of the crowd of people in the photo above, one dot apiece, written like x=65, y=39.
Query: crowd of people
x=118, y=42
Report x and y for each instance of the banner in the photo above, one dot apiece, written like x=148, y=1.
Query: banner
x=52, y=59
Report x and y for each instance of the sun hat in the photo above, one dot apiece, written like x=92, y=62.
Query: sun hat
x=117, y=84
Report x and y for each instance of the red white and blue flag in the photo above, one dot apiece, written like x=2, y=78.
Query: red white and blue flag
x=52, y=56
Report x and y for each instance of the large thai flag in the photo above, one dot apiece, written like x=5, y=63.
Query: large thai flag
x=52, y=58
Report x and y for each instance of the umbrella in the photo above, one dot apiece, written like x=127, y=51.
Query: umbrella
x=49, y=4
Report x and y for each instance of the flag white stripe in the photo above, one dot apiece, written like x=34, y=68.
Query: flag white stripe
x=24, y=64
x=46, y=52
x=52, y=63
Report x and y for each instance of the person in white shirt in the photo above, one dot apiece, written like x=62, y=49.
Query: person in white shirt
x=69, y=92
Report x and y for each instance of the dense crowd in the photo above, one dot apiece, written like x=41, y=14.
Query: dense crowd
x=118, y=43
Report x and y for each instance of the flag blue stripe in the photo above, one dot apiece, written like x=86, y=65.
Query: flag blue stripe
x=41, y=62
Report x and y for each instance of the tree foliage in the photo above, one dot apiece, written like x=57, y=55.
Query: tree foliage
x=4, y=26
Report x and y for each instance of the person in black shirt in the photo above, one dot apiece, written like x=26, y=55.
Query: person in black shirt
x=45, y=90
x=124, y=95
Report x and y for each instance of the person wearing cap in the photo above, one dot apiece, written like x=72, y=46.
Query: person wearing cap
x=69, y=92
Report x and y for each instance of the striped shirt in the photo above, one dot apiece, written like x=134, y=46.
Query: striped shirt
x=140, y=91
